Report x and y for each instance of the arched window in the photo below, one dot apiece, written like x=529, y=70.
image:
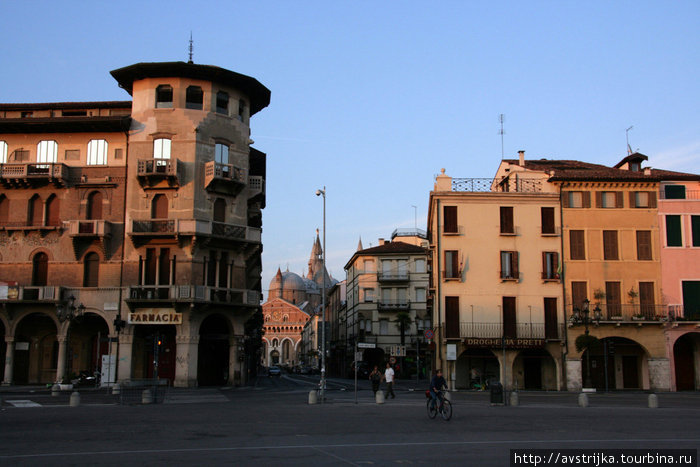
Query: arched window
x=222, y=103
x=36, y=211
x=47, y=151
x=94, y=206
x=275, y=342
x=159, y=207
x=3, y=152
x=91, y=270
x=219, y=210
x=4, y=210
x=194, y=98
x=40, y=269
x=164, y=96
x=286, y=351
x=97, y=152
x=53, y=211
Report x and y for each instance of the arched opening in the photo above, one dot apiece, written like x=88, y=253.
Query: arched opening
x=91, y=270
x=213, y=360
x=616, y=363
x=36, y=350
x=476, y=368
x=287, y=352
x=154, y=343
x=159, y=207
x=35, y=216
x=535, y=369
x=88, y=341
x=40, y=269
x=274, y=357
x=53, y=211
x=94, y=205
x=685, y=360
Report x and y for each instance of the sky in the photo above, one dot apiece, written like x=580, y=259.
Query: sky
x=372, y=99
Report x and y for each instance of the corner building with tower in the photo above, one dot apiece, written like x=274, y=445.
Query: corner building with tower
x=131, y=231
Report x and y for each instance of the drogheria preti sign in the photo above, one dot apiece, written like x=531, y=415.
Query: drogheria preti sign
x=509, y=343
x=155, y=316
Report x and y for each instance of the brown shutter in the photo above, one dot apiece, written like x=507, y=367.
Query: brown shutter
x=547, y=220
x=4, y=210
x=652, y=199
x=551, y=330
x=577, y=244
x=578, y=293
x=633, y=199
x=544, y=265
x=599, y=199
x=565, y=198
x=610, y=245
x=586, y=199
x=94, y=207
x=646, y=299
x=452, y=317
x=450, y=221
x=507, y=220
x=515, y=265
x=555, y=266
x=619, y=201
x=35, y=211
x=455, y=264
x=509, y=318
x=643, y=245
x=52, y=211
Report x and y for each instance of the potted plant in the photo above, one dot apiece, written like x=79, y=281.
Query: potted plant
x=599, y=295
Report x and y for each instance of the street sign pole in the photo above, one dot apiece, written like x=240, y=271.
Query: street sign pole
x=355, y=371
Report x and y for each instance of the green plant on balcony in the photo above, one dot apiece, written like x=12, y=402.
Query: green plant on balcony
x=599, y=295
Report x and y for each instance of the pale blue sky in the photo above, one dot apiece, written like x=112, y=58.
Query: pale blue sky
x=372, y=98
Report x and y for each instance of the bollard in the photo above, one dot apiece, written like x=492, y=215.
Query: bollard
x=55, y=390
x=75, y=399
x=313, y=397
x=116, y=390
x=653, y=401
x=146, y=397
x=583, y=400
x=514, y=398
x=379, y=397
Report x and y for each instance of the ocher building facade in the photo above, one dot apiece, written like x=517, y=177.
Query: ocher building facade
x=149, y=239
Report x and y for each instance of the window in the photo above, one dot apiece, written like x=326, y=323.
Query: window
x=613, y=299
x=577, y=199
x=241, y=110
x=369, y=295
x=643, y=245
x=94, y=206
x=368, y=265
x=509, y=318
x=674, y=237
x=674, y=192
x=40, y=269
x=403, y=268
x=450, y=213
x=159, y=207
x=118, y=153
x=47, y=151
x=91, y=270
x=383, y=327
x=368, y=326
x=97, y=152
x=161, y=148
x=507, y=220
x=36, y=211
x=610, y=250
x=52, y=211
x=452, y=317
x=386, y=295
x=695, y=224
x=550, y=265
x=509, y=265
x=164, y=96
x=578, y=294
x=642, y=199
x=222, y=103
x=420, y=295
x=221, y=153
x=609, y=199
x=3, y=152
x=194, y=98
x=646, y=299
x=577, y=244
x=21, y=155
x=547, y=216
x=452, y=264
x=420, y=265
x=219, y=210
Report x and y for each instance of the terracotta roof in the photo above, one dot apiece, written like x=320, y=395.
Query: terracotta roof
x=568, y=170
x=68, y=105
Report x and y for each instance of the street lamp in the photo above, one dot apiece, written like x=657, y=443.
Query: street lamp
x=584, y=316
x=323, y=301
x=68, y=311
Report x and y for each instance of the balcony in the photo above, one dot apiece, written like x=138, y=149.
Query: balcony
x=626, y=313
x=84, y=233
x=392, y=277
x=150, y=295
x=26, y=227
x=33, y=174
x=256, y=187
x=32, y=294
x=486, y=185
x=158, y=173
x=393, y=305
x=475, y=330
x=226, y=179
x=208, y=231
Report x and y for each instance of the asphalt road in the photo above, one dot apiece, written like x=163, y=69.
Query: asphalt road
x=272, y=423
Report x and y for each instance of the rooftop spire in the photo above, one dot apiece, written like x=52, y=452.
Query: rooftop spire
x=190, y=48
x=359, y=245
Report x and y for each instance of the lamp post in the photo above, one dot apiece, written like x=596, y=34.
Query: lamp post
x=323, y=301
x=586, y=318
x=69, y=312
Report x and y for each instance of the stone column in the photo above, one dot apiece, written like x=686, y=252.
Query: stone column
x=62, y=351
x=126, y=342
x=9, y=360
x=186, y=361
x=234, y=366
x=574, y=378
x=659, y=374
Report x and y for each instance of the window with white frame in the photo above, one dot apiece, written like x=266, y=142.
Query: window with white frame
x=369, y=295
x=161, y=150
x=221, y=153
x=420, y=295
x=3, y=152
x=368, y=265
x=420, y=265
x=97, y=152
x=47, y=151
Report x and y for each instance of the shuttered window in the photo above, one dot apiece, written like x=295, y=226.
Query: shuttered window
x=644, y=245
x=452, y=264
x=674, y=236
x=577, y=244
x=610, y=248
x=507, y=226
x=578, y=294
x=550, y=265
x=452, y=317
x=509, y=265
x=450, y=213
x=547, y=215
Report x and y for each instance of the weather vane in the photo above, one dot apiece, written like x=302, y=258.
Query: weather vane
x=190, y=48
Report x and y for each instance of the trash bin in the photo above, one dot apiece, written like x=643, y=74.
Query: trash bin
x=496, y=392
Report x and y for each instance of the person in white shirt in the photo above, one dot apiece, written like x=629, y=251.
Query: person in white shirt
x=389, y=378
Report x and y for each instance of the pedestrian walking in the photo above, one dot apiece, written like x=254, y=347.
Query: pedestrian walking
x=389, y=378
x=375, y=377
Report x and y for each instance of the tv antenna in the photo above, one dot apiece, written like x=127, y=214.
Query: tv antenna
x=190, y=48
x=502, y=118
x=627, y=135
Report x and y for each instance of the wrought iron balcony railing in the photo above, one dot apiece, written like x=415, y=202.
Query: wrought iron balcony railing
x=393, y=305
x=470, y=329
x=392, y=276
x=623, y=312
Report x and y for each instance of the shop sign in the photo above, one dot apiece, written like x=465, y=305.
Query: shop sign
x=155, y=316
x=509, y=343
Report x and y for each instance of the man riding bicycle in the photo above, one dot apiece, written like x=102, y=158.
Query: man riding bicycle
x=436, y=385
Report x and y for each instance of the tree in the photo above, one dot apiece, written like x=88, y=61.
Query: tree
x=403, y=320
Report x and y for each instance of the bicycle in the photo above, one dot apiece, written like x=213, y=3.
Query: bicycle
x=444, y=407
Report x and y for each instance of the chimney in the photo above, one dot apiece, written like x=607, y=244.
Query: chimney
x=521, y=156
x=381, y=241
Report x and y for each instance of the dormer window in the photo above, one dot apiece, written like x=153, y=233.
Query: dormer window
x=194, y=98
x=635, y=166
x=164, y=96
x=222, y=103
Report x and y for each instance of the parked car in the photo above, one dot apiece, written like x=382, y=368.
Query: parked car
x=274, y=371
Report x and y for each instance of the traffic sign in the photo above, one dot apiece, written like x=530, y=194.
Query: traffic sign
x=429, y=334
x=366, y=345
